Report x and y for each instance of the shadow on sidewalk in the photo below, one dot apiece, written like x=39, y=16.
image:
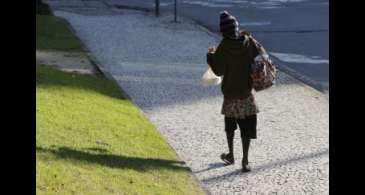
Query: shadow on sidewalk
x=265, y=166
x=212, y=166
x=114, y=161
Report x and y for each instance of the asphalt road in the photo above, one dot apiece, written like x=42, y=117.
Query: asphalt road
x=294, y=31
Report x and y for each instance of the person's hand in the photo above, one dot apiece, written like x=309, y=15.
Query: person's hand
x=211, y=49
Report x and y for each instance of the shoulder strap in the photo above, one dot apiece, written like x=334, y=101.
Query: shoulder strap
x=260, y=49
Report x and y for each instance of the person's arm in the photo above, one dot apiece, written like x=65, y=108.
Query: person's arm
x=216, y=61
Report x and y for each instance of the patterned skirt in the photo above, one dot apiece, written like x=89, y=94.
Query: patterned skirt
x=239, y=108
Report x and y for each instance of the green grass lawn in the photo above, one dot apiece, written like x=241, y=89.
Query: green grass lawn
x=52, y=33
x=91, y=140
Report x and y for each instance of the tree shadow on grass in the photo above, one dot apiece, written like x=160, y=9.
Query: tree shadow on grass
x=115, y=161
x=51, y=77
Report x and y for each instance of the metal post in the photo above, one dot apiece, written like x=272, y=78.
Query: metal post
x=157, y=7
x=175, y=18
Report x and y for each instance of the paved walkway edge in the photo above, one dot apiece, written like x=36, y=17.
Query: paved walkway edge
x=101, y=69
x=104, y=72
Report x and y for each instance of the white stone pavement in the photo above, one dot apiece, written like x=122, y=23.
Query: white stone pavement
x=159, y=65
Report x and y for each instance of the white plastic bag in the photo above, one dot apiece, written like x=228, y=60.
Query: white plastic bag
x=210, y=79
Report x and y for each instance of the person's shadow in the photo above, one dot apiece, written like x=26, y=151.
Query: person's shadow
x=212, y=166
x=261, y=167
x=100, y=156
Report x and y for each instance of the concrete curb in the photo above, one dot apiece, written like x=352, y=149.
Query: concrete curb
x=143, y=9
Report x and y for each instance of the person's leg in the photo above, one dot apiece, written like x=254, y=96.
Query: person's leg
x=248, y=132
x=245, y=149
x=230, y=127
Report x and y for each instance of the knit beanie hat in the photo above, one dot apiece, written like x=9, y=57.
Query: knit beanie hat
x=228, y=25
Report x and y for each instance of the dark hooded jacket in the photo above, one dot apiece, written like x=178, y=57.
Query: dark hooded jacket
x=232, y=60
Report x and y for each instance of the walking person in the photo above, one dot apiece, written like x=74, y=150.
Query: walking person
x=232, y=59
